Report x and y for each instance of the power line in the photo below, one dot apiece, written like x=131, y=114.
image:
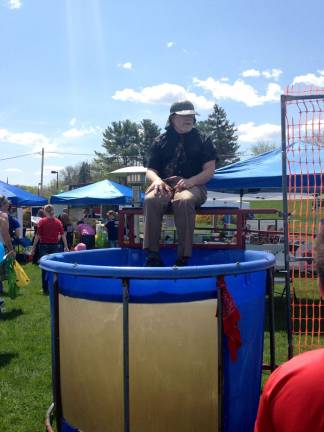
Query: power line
x=19, y=156
x=72, y=154
x=244, y=153
x=51, y=152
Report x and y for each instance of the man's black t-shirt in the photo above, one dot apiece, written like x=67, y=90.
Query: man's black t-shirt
x=112, y=229
x=183, y=155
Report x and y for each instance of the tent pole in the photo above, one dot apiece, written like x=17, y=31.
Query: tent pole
x=285, y=221
x=42, y=173
x=241, y=197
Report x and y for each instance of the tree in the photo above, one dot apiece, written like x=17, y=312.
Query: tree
x=126, y=143
x=70, y=174
x=79, y=174
x=262, y=147
x=223, y=135
x=84, y=176
x=121, y=143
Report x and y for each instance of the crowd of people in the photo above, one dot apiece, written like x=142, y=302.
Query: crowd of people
x=55, y=234
x=52, y=234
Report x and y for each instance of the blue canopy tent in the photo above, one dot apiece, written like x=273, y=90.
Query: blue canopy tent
x=264, y=172
x=102, y=192
x=21, y=198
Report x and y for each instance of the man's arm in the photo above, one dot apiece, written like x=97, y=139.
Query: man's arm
x=5, y=234
x=64, y=241
x=200, y=179
x=36, y=240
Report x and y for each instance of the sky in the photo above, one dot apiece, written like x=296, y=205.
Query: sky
x=68, y=68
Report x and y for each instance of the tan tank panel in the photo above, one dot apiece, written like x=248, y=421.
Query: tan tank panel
x=173, y=366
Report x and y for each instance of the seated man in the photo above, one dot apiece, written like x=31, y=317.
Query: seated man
x=292, y=399
x=181, y=162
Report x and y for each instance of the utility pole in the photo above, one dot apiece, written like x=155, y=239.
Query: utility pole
x=42, y=173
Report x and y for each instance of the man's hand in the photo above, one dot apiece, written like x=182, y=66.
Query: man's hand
x=184, y=184
x=11, y=254
x=160, y=188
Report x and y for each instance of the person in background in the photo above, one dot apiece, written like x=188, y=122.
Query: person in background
x=292, y=398
x=5, y=235
x=68, y=227
x=88, y=213
x=86, y=234
x=14, y=226
x=35, y=253
x=112, y=228
x=181, y=162
x=49, y=232
x=80, y=247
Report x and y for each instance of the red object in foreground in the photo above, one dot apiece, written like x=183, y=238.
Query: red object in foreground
x=231, y=316
x=292, y=398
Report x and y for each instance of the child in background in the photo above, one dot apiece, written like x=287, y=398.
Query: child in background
x=86, y=234
x=80, y=247
x=112, y=228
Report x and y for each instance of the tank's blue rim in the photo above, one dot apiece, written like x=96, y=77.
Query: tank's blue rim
x=256, y=261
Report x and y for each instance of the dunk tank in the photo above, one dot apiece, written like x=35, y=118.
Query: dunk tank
x=168, y=349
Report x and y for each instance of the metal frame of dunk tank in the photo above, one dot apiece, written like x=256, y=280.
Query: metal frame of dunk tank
x=127, y=214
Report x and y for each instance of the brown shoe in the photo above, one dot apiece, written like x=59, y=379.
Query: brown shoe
x=181, y=262
x=153, y=260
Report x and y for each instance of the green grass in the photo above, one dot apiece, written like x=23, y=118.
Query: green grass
x=267, y=205
x=25, y=358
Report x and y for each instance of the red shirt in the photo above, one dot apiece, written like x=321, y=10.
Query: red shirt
x=293, y=397
x=49, y=230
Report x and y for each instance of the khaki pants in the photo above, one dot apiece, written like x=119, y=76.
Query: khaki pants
x=184, y=206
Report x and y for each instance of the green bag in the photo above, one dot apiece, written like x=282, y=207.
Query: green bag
x=11, y=277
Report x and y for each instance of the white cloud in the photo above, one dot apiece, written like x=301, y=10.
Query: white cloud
x=272, y=74
x=250, y=73
x=250, y=132
x=170, y=44
x=73, y=121
x=321, y=71
x=224, y=79
x=239, y=91
x=127, y=65
x=34, y=141
x=268, y=74
x=310, y=79
x=165, y=93
x=14, y=4
x=17, y=170
x=76, y=133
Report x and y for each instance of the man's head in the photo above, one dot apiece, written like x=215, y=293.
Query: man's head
x=4, y=203
x=182, y=116
x=49, y=211
x=319, y=259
